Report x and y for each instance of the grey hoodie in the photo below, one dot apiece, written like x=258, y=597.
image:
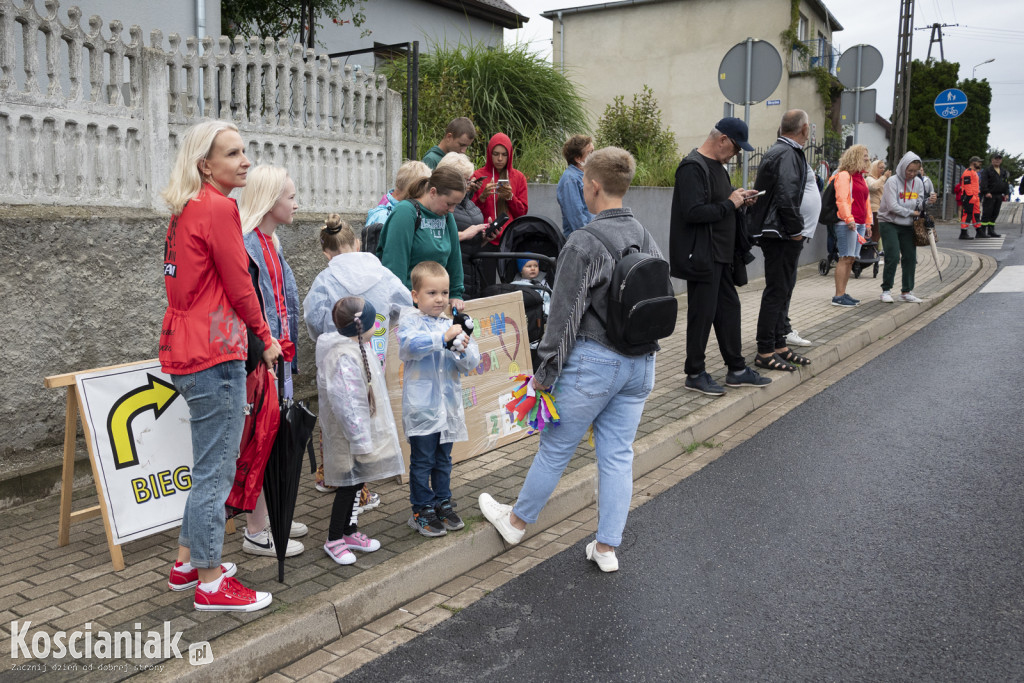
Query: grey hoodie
x=902, y=197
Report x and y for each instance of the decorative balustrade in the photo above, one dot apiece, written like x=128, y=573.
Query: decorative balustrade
x=72, y=133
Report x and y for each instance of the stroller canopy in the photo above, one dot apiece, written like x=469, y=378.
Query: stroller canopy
x=533, y=234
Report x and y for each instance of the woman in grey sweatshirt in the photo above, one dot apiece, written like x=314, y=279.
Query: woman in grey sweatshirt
x=903, y=199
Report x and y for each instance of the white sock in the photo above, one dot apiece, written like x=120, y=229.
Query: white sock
x=185, y=567
x=213, y=586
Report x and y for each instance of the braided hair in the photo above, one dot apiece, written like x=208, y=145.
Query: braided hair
x=345, y=312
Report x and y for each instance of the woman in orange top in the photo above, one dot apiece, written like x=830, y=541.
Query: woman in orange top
x=854, y=208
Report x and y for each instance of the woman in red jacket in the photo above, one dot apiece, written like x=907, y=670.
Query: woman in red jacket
x=502, y=192
x=210, y=301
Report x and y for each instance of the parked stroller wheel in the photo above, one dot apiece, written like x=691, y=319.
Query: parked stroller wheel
x=856, y=269
x=874, y=272
x=824, y=266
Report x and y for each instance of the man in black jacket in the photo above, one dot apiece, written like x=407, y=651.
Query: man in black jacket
x=702, y=250
x=781, y=220
x=994, y=185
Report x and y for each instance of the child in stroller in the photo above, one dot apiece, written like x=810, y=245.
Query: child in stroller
x=528, y=239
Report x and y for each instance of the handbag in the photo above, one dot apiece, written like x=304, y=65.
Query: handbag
x=922, y=224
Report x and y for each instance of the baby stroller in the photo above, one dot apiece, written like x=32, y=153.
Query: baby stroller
x=869, y=256
x=527, y=237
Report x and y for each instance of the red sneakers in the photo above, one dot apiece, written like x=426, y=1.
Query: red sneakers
x=231, y=597
x=181, y=581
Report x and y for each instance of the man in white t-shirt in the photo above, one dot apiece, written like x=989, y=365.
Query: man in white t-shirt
x=782, y=220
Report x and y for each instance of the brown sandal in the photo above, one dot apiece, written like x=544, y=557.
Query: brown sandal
x=790, y=357
x=774, y=362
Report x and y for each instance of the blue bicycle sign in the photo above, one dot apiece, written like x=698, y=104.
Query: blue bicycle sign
x=951, y=103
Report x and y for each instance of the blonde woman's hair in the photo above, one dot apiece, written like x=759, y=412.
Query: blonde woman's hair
x=408, y=174
x=337, y=235
x=876, y=168
x=259, y=195
x=852, y=160
x=186, y=181
x=460, y=162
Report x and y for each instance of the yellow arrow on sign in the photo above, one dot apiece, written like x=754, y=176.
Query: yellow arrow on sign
x=155, y=396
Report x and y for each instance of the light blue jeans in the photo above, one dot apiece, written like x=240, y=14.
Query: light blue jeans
x=846, y=239
x=601, y=387
x=216, y=399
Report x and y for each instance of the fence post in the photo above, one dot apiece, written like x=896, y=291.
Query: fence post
x=156, y=113
x=393, y=134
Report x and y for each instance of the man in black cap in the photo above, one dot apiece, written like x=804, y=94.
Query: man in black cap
x=707, y=247
x=995, y=189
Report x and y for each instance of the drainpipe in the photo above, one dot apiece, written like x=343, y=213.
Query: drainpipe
x=200, y=34
x=561, y=39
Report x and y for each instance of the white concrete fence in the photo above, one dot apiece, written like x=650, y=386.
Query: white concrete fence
x=88, y=120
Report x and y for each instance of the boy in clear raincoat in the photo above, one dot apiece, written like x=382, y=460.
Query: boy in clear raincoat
x=434, y=352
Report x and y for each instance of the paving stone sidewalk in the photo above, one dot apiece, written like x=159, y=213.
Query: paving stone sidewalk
x=67, y=588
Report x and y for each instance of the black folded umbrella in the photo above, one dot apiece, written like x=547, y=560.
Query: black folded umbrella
x=284, y=468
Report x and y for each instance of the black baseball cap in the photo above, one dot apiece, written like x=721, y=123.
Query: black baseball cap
x=736, y=130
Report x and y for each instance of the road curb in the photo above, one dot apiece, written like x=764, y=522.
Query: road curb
x=270, y=643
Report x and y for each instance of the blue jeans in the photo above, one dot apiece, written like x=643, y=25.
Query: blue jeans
x=216, y=399
x=601, y=387
x=430, y=471
x=846, y=239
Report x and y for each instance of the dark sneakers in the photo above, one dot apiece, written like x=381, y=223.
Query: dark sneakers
x=703, y=384
x=427, y=523
x=746, y=378
x=448, y=516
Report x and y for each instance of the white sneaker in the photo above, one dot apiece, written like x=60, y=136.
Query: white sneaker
x=498, y=515
x=298, y=529
x=886, y=298
x=263, y=544
x=910, y=298
x=794, y=339
x=606, y=562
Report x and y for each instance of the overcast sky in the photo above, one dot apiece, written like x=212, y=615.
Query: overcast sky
x=987, y=29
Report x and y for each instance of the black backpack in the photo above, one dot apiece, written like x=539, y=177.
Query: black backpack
x=371, y=237
x=829, y=209
x=642, y=307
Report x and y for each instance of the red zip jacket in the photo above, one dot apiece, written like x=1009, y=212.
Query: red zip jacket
x=519, y=204
x=210, y=296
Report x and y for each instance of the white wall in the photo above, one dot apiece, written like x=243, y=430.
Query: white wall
x=676, y=49
x=400, y=21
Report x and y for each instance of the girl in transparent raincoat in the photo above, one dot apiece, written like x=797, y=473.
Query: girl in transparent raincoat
x=359, y=431
x=351, y=272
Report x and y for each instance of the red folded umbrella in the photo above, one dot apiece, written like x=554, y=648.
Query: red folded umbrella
x=261, y=425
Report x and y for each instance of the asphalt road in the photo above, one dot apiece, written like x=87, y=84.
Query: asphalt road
x=874, y=533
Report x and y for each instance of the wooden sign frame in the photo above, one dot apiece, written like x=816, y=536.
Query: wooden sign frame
x=68, y=516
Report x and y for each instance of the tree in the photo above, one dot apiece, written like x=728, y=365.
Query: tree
x=508, y=89
x=1013, y=163
x=288, y=18
x=637, y=127
x=926, y=133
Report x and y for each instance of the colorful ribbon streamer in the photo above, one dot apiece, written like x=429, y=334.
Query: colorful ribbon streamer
x=530, y=408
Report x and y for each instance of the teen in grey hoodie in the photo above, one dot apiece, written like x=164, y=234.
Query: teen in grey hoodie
x=903, y=199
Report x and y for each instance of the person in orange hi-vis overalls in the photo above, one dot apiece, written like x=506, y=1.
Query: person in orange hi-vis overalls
x=970, y=202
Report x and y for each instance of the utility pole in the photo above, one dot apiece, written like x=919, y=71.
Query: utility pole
x=936, y=37
x=901, y=95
